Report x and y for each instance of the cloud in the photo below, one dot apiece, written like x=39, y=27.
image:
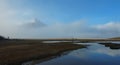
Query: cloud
x=109, y=26
x=34, y=23
x=6, y=13
x=109, y=29
x=76, y=29
x=10, y=17
x=17, y=23
x=50, y=31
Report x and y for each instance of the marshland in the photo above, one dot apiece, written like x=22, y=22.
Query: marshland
x=40, y=52
x=14, y=52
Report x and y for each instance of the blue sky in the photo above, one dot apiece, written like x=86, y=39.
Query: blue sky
x=85, y=17
x=96, y=11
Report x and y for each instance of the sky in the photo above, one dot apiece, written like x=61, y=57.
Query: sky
x=60, y=18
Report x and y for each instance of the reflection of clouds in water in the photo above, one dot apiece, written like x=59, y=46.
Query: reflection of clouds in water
x=86, y=52
x=109, y=52
x=95, y=49
x=80, y=53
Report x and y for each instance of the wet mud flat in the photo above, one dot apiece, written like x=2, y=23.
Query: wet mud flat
x=20, y=51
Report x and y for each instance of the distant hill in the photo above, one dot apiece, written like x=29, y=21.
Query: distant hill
x=115, y=38
x=2, y=38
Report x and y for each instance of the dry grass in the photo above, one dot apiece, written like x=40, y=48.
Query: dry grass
x=15, y=52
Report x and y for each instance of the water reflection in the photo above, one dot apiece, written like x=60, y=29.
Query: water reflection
x=111, y=45
x=96, y=54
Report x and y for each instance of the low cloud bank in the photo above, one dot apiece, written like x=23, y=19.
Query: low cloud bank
x=78, y=29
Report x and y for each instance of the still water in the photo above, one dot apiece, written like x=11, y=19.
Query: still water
x=95, y=54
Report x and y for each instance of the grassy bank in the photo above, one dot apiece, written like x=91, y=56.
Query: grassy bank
x=15, y=52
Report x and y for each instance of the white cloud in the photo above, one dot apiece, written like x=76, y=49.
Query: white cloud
x=109, y=29
x=110, y=25
x=10, y=18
